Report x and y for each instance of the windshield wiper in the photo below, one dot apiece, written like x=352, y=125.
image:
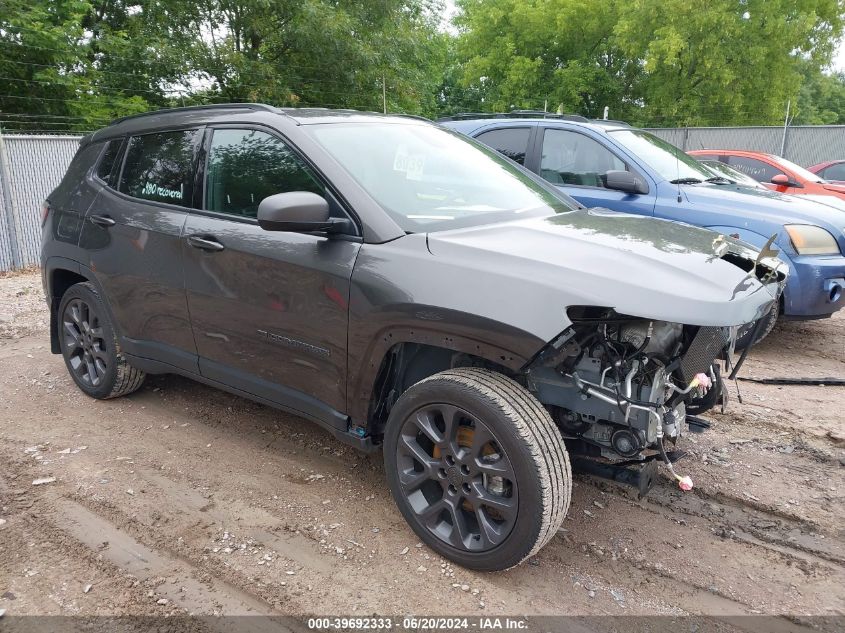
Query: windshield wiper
x=686, y=181
x=720, y=179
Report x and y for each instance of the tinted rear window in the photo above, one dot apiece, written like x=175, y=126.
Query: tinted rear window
x=512, y=142
x=834, y=172
x=109, y=166
x=159, y=167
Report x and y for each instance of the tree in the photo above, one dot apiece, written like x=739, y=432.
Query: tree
x=821, y=100
x=673, y=62
x=544, y=53
x=725, y=62
x=317, y=52
x=76, y=64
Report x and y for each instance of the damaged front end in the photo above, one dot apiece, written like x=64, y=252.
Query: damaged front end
x=618, y=386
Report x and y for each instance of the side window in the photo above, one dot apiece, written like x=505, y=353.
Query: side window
x=570, y=158
x=834, y=172
x=512, y=142
x=109, y=165
x=757, y=169
x=159, y=167
x=246, y=166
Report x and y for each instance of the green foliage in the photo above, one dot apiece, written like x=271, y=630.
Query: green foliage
x=531, y=54
x=673, y=62
x=75, y=64
x=821, y=100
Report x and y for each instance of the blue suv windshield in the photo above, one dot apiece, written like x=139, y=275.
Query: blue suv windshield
x=664, y=158
x=430, y=179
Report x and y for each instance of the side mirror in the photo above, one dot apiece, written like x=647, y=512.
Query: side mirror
x=298, y=212
x=782, y=180
x=624, y=181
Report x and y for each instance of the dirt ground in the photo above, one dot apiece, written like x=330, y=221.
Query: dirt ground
x=181, y=499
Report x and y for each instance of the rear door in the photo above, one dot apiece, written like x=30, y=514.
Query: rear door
x=269, y=309
x=578, y=163
x=132, y=237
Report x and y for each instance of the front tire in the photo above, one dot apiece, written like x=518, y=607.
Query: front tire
x=89, y=346
x=743, y=339
x=477, y=468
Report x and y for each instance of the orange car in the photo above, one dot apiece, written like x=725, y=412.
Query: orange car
x=778, y=174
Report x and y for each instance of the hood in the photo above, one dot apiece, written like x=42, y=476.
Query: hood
x=639, y=266
x=729, y=206
x=831, y=201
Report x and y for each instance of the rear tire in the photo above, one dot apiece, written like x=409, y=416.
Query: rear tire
x=89, y=346
x=477, y=468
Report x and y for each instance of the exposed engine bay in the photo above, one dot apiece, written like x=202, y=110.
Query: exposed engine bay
x=618, y=386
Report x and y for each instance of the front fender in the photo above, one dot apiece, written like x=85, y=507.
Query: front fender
x=792, y=291
x=752, y=238
x=400, y=293
x=373, y=334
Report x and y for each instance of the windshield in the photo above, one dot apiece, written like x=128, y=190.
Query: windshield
x=803, y=174
x=734, y=175
x=430, y=179
x=664, y=158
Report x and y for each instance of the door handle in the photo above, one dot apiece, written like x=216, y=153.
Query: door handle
x=205, y=243
x=102, y=220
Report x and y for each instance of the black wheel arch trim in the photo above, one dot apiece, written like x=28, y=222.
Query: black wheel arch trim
x=56, y=263
x=362, y=381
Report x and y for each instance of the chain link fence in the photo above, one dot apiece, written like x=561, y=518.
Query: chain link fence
x=30, y=168
x=806, y=145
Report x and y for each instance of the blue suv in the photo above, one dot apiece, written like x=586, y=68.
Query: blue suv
x=610, y=164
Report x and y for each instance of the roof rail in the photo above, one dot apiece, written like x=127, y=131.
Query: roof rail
x=515, y=114
x=412, y=116
x=613, y=122
x=211, y=106
x=550, y=115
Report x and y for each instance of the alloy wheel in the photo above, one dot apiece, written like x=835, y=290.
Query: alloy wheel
x=85, y=346
x=456, y=477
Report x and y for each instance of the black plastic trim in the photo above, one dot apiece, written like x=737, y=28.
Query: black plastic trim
x=327, y=418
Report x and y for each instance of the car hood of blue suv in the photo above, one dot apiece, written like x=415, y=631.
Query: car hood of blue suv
x=762, y=211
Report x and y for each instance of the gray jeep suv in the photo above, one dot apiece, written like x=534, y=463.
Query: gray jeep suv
x=405, y=288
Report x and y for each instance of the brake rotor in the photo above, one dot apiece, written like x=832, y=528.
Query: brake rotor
x=465, y=436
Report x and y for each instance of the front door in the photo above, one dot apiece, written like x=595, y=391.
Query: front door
x=269, y=309
x=578, y=165
x=132, y=234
